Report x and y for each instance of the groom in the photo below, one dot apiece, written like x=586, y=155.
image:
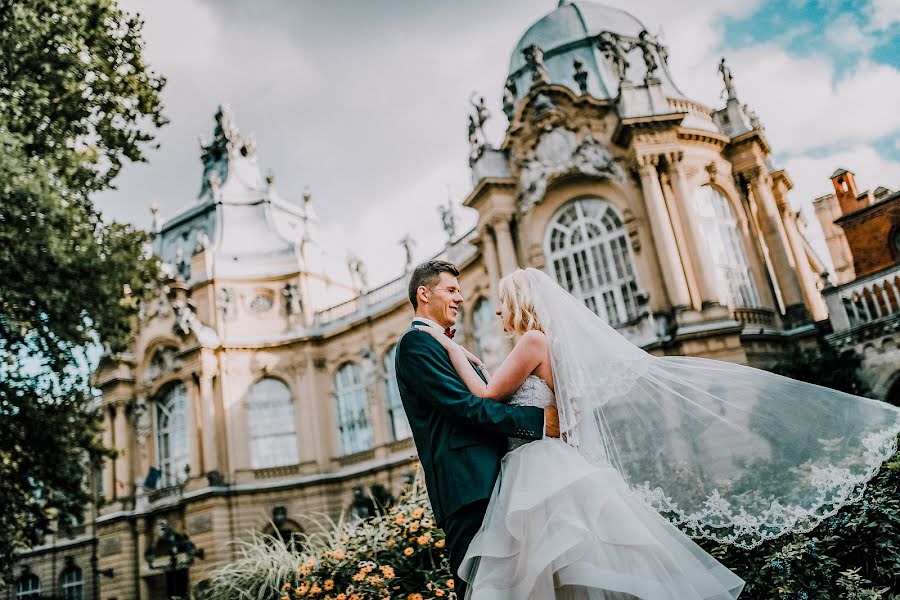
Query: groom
x=461, y=438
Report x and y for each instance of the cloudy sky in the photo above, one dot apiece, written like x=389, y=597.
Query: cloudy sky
x=366, y=101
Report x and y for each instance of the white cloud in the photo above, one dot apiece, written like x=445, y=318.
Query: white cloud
x=847, y=36
x=883, y=14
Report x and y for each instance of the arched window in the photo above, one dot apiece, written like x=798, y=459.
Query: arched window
x=71, y=584
x=587, y=248
x=172, y=435
x=396, y=416
x=486, y=332
x=273, y=434
x=28, y=586
x=354, y=430
x=725, y=245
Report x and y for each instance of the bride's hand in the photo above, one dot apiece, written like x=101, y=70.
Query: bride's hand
x=437, y=334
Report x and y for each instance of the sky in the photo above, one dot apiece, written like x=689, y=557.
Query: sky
x=366, y=102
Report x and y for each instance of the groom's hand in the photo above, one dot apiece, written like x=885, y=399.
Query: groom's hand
x=551, y=422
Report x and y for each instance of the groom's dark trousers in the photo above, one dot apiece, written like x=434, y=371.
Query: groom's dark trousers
x=460, y=438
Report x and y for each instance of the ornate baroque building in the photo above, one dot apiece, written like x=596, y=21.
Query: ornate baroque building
x=862, y=231
x=260, y=385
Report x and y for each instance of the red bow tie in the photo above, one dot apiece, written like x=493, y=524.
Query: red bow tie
x=449, y=332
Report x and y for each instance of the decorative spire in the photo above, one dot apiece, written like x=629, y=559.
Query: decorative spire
x=157, y=223
x=221, y=154
x=580, y=75
x=477, y=118
x=509, y=98
x=534, y=58
x=448, y=219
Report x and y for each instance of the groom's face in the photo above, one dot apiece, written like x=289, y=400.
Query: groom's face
x=442, y=301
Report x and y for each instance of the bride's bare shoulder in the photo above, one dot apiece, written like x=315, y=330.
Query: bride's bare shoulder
x=534, y=339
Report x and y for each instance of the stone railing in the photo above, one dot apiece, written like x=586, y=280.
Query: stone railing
x=754, y=317
x=393, y=291
x=864, y=300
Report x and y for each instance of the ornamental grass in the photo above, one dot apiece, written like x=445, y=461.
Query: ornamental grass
x=398, y=554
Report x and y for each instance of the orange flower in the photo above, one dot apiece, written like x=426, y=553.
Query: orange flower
x=417, y=514
x=414, y=527
x=315, y=589
x=400, y=520
x=424, y=539
x=408, y=551
x=341, y=596
x=374, y=580
x=414, y=597
x=339, y=554
x=450, y=584
x=439, y=544
x=439, y=592
x=311, y=563
x=285, y=598
x=328, y=585
x=387, y=571
x=391, y=543
x=286, y=586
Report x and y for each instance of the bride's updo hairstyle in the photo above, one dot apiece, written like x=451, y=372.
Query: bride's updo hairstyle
x=516, y=294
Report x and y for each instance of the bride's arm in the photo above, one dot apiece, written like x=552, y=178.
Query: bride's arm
x=528, y=353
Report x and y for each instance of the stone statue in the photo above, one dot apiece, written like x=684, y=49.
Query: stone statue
x=755, y=123
x=482, y=114
x=293, y=303
x=509, y=99
x=728, y=79
x=593, y=158
x=358, y=273
x=448, y=220
x=140, y=419
x=580, y=75
x=185, y=317
x=182, y=266
x=157, y=223
x=663, y=53
x=647, y=45
x=226, y=303
x=408, y=242
x=202, y=242
x=612, y=50
x=534, y=58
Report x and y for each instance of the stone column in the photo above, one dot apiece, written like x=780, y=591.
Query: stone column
x=776, y=240
x=663, y=236
x=120, y=435
x=489, y=255
x=208, y=421
x=109, y=464
x=196, y=441
x=506, y=250
x=701, y=258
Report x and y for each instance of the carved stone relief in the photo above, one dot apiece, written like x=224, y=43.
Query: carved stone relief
x=165, y=360
x=557, y=153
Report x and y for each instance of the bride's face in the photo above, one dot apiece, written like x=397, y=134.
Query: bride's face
x=503, y=312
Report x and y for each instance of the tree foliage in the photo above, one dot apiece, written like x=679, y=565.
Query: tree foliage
x=76, y=102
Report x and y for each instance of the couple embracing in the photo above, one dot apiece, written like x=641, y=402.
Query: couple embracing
x=550, y=477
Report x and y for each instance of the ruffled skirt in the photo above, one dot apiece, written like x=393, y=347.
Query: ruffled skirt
x=560, y=527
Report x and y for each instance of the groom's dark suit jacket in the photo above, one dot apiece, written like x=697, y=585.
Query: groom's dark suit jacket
x=460, y=437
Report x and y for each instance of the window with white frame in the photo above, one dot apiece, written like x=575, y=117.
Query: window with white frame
x=587, y=248
x=354, y=431
x=28, y=586
x=171, y=435
x=273, y=432
x=396, y=416
x=71, y=584
x=487, y=333
x=724, y=243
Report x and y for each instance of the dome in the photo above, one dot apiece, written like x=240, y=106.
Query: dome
x=570, y=32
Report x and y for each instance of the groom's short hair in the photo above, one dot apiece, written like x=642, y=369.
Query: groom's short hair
x=427, y=274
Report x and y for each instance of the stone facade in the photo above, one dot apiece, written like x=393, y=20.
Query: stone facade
x=863, y=234
x=664, y=216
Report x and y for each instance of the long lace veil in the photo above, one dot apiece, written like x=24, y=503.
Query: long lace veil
x=725, y=451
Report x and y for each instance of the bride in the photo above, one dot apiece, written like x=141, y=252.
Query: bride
x=724, y=451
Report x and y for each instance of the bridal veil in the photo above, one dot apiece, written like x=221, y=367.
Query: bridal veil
x=725, y=451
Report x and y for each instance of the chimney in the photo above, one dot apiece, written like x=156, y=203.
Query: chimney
x=846, y=192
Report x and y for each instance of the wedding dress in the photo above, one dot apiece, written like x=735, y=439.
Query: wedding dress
x=724, y=451
x=560, y=527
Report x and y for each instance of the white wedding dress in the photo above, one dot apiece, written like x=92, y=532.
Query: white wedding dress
x=560, y=527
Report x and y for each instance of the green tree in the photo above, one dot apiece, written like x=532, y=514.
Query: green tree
x=76, y=102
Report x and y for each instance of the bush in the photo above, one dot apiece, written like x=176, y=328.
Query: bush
x=398, y=554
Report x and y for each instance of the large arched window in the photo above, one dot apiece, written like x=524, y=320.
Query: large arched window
x=172, y=435
x=587, y=247
x=486, y=332
x=725, y=245
x=396, y=416
x=28, y=586
x=273, y=435
x=354, y=430
x=71, y=584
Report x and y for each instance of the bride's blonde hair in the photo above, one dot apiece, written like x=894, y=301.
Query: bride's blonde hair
x=516, y=294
